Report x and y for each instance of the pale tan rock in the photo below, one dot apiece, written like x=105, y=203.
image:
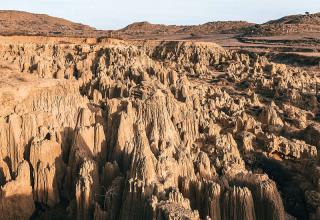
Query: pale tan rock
x=247, y=141
x=226, y=154
x=136, y=121
x=298, y=116
x=176, y=207
x=48, y=170
x=86, y=189
x=15, y=151
x=267, y=200
x=16, y=200
x=204, y=196
x=203, y=166
x=247, y=123
x=255, y=100
x=238, y=203
x=294, y=149
x=269, y=116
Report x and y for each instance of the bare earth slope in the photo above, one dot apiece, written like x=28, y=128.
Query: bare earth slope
x=293, y=40
x=147, y=30
x=24, y=23
x=288, y=25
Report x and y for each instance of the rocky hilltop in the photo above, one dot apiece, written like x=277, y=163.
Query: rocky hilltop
x=147, y=30
x=111, y=129
x=293, y=24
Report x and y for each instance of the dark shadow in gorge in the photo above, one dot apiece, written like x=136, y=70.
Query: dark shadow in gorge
x=66, y=209
x=15, y=207
x=287, y=183
x=58, y=212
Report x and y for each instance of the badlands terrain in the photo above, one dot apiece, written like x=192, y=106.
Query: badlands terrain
x=159, y=126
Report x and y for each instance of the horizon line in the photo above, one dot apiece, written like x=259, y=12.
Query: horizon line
x=147, y=21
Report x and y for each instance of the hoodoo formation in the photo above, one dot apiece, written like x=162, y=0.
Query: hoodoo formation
x=107, y=129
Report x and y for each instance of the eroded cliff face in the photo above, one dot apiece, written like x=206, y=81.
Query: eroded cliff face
x=154, y=130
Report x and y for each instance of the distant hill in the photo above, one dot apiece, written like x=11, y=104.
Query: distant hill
x=222, y=27
x=307, y=23
x=311, y=19
x=148, y=29
x=24, y=23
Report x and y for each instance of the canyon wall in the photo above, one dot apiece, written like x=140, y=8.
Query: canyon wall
x=112, y=129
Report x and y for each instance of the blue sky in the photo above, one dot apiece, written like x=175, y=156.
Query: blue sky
x=107, y=14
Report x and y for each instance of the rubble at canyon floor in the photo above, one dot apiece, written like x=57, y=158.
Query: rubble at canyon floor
x=110, y=129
